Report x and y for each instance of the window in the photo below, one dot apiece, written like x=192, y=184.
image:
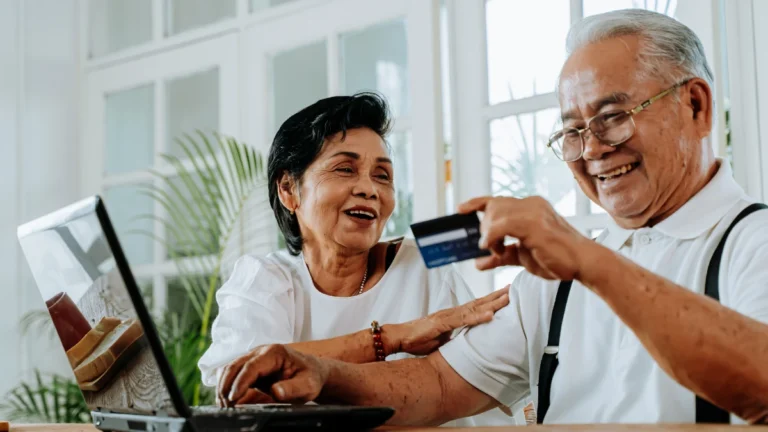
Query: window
x=342, y=57
x=115, y=25
x=507, y=108
x=137, y=110
x=158, y=69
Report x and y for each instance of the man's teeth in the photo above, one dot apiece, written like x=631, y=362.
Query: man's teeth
x=362, y=213
x=617, y=172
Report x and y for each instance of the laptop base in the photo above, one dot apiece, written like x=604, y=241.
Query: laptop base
x=138, y=423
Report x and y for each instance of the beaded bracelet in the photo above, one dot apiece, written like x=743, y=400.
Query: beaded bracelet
x=378, y=346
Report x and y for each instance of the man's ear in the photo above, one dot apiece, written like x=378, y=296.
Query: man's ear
x=288, y=192
x=699, y=99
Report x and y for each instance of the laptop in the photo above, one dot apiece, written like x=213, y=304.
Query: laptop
x=113, y=346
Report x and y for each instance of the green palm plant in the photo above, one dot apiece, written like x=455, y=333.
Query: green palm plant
x=53, y=399
x=215, y=209
x=214, y=205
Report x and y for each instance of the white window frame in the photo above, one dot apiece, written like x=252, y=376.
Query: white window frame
x=156, y=68
x=747, y=59
x=425, y=119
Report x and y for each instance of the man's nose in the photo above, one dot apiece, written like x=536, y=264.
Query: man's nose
x=594, y=149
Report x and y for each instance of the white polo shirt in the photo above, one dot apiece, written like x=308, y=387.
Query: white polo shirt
x=605, y=374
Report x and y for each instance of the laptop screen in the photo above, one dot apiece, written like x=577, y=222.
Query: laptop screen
x=76, y=267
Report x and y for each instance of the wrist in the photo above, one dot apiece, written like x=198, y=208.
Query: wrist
x=596, y=262
x=390, y=338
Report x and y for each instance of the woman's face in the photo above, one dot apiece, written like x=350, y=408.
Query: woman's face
x=347, y=194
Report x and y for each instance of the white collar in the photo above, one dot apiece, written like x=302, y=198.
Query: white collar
x=703, y=211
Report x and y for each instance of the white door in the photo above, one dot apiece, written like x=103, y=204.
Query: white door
x=391, y=47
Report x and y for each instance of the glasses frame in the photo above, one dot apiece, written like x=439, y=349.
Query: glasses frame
x=631, y=113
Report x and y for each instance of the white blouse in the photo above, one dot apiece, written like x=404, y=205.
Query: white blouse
x=273, y=300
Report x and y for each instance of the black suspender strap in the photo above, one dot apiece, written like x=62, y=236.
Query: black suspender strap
x=549, y=360
x=706, y=412
x=712, y=284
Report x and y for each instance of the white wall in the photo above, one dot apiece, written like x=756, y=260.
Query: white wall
x=38, y=158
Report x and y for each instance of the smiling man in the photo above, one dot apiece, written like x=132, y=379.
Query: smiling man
x=659, y=320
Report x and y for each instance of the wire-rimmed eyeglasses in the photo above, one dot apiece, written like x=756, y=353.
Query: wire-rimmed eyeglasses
x=612, y=128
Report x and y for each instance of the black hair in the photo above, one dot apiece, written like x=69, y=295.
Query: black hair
x=301, y=138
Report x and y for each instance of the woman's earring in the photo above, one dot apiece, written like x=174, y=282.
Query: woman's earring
x=291, y=212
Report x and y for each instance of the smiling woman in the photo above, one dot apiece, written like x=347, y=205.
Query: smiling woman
x=331, y=186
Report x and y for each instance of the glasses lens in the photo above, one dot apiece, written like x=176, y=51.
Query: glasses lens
x=613, y=128
x=567, y=144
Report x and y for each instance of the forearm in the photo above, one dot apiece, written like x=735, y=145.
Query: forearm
x=352, y=348
x=412, y=387
x=710, y=349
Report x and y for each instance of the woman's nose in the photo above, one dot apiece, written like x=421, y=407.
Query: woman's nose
x=365, y=188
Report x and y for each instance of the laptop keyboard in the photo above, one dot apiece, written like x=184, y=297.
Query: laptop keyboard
x=263, y=408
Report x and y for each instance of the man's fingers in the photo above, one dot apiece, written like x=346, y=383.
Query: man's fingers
x=475, y=204
x=508, y=257
x=227, y=377
x=301, y=388
x=259, y=365
x=253, y=396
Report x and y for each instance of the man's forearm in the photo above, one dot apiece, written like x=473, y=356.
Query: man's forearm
x=710, y=349
x=412, y=387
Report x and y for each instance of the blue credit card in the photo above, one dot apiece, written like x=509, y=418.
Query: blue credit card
x=449, y=239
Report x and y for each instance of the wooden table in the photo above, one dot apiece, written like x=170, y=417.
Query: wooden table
x=577, y=428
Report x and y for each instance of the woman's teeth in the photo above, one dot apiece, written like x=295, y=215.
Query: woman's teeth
x=617, y=172
x=362, y=213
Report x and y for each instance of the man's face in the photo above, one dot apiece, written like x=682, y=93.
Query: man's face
x=639, y=180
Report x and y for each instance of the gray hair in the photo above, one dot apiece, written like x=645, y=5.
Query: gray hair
x=671, y=51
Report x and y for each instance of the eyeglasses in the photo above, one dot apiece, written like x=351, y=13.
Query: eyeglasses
x=612, y=128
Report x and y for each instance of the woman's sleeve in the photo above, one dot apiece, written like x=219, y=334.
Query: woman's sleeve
x=453, y=291
x=256, y=307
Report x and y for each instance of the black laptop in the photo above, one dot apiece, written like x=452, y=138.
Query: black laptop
x=113, y=346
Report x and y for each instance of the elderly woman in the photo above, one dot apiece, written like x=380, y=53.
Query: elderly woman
x=331, y=187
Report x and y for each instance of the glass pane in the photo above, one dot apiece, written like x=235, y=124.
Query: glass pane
x=594, y=7
x=118, y=24
x=299, y=78
x=188, y=14
x=192, y=104
x=125, y=204
x=377, y=59
x=400, y=221
x=522, y=165
x=198, y=235
x=130, y=129
x=258, y=5
x=518, y=68
x=596, y=209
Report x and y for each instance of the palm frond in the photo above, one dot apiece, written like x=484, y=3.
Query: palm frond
x=51, y=399
x=205, y=200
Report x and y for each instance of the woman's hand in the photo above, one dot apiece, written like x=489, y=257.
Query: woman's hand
x=424, y=335
x=548, y=247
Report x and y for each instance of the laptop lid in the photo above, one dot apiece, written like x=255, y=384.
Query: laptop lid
x=98, y=312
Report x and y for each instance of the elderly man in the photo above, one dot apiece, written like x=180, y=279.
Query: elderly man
x=633, y=338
